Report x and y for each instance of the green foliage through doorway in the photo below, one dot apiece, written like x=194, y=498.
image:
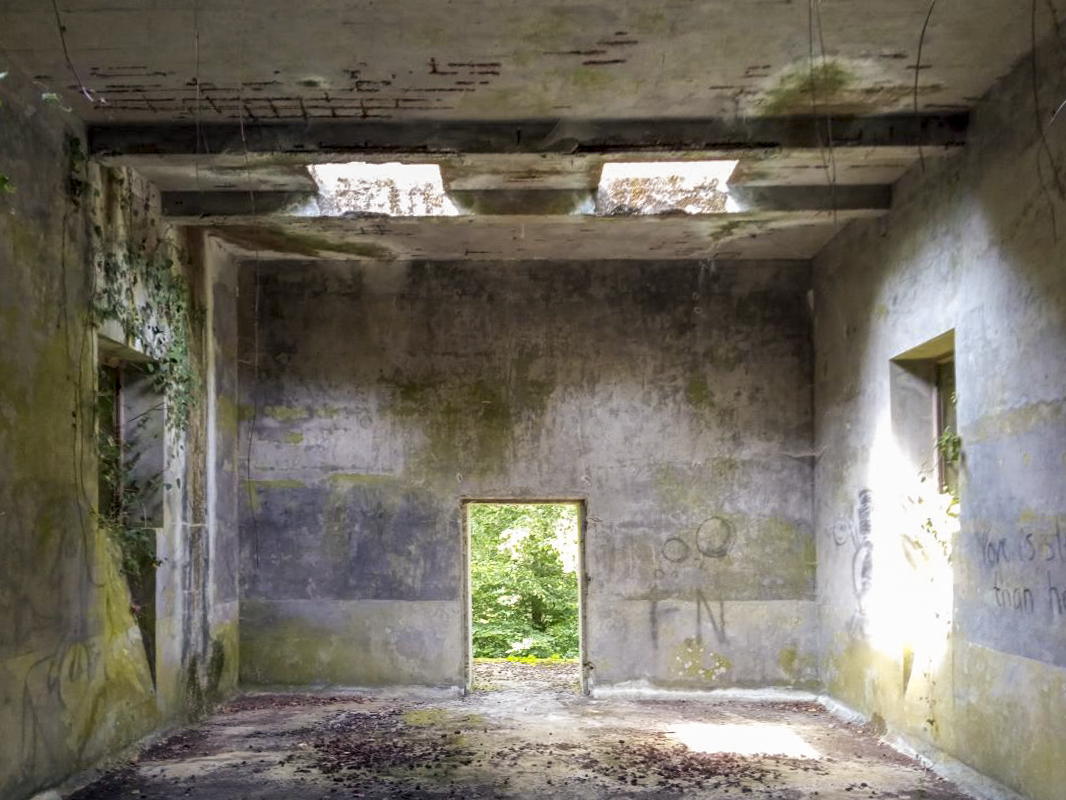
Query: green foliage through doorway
x=524, y=581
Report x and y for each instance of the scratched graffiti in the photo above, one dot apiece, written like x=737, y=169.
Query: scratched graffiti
x=714, y=538
x=856, y=530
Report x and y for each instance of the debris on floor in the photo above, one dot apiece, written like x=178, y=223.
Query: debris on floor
x=532, y=735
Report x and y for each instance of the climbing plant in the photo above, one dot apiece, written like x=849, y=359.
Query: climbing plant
x=949, y=445
x=140, y=289
x=125, y=502
x=139, y=285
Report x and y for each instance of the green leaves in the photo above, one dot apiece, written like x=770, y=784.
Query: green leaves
x=949, y=445
x=524, y=580
x=150, y=300
x=121, y=496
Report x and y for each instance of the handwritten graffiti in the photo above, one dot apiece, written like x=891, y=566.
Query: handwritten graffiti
x=714, y=538
x=1017, y=598
x=1056, y=597
x=865, y=512
x=862, y=568
x=1026, y=548
x=843, y=531
x=708, y=611
x=1020, y=565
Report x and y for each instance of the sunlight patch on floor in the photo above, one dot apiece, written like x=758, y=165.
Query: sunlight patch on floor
x=746, y=740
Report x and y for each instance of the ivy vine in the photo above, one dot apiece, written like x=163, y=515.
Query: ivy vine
x=949, y=445
x=141, y=290
x=125, y=501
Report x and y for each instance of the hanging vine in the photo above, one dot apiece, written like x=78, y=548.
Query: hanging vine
x=6, y=186
x=160, y=319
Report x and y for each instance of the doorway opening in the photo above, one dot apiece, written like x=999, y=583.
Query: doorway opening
x=525, y=593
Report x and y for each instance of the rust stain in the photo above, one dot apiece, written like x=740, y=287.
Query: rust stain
x=574, y=52
x=434, y=69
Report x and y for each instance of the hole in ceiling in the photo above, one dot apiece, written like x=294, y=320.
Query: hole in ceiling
x=359, y=188
x=662, y=187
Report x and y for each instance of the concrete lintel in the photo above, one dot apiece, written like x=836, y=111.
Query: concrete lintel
x=752, y=235
x=813, y=198
x=190, y=204
x=224, y=204
x=522, y=201
x=529, y=136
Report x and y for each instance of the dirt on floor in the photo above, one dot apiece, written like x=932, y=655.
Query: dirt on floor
x=525, y=732
x=495, y=674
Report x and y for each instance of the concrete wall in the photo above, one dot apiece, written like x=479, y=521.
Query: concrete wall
x=74, y=680
x=222, y=457
x=954, y=633
x=673, y=397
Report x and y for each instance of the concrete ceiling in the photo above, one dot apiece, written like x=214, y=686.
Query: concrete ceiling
x=222, y=101
x=508, y=59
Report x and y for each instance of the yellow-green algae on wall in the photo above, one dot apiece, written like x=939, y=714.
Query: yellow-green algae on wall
x=337, y=642
x=979, y=705
x=74, y=679
x=78, y=699
x=75, y=686
x=695, y=660
x=989, y=689
x=1010, y=719
x=469, y=425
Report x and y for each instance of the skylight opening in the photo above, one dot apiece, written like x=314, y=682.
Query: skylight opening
x=359, y=188
x=662, y=187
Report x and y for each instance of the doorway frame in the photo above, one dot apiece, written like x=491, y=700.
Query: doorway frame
x=582, y=577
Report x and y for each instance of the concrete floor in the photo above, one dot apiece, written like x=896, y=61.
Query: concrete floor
x=524, y=732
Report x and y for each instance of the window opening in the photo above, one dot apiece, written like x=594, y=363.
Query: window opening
x=130, y=446
x=660, y=187
x=359, y=188
x=947, y=436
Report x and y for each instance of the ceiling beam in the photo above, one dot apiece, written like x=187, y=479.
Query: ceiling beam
x=192, y=204
x=813, y=198
x=225, y=204
x=753, y=235
x=529, y=136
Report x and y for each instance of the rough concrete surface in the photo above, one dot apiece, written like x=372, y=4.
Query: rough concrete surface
x=748, y=438
x=528, y=736
x=75, y=683
x=505, y=59
x=953, y=631
x=663, y=394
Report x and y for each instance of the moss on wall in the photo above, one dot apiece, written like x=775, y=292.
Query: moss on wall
x=74, y=684
x=469, y=427
x=967, y=671
x=693, y=660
